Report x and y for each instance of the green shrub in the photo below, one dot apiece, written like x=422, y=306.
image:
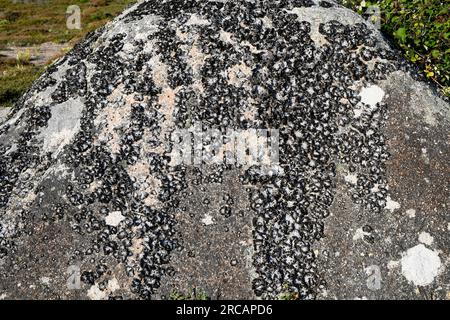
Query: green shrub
x=421, y=29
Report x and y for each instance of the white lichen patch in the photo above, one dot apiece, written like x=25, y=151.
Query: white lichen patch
x=267, y=22
x=114, y=218
x=62, y=126
x=359, y=234
x=226, y=37
x=113, y=285
x=4, y=113
x=393, y=264
x=371, y=95
x=426, y=238
x=94, y=293
x=351, y=178
x=207, y=220
x=425, y=155
x=420, y=265
x=45, y=281
x=9, y=223
x=411, y=213
x=196, y=20
x=391, y=205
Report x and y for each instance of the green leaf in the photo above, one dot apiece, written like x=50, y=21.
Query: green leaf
x=401, y=34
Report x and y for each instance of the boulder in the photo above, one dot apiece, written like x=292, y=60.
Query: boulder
x=228, y=149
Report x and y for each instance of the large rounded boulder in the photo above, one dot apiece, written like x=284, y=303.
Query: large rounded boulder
x=129, y=169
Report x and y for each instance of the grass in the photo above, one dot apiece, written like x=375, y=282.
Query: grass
x=32, y=22
x=420, y=29
x=39, y=21
x=16, y=78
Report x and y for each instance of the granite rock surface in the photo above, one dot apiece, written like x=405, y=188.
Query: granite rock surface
x=92, y=205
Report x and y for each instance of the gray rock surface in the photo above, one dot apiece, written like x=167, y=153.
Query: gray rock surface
x=4, y=113
x=92, y=205
x=402, y=253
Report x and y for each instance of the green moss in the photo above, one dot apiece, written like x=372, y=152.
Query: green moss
x=289, y=296
x=421, y=29
x=195, y=294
